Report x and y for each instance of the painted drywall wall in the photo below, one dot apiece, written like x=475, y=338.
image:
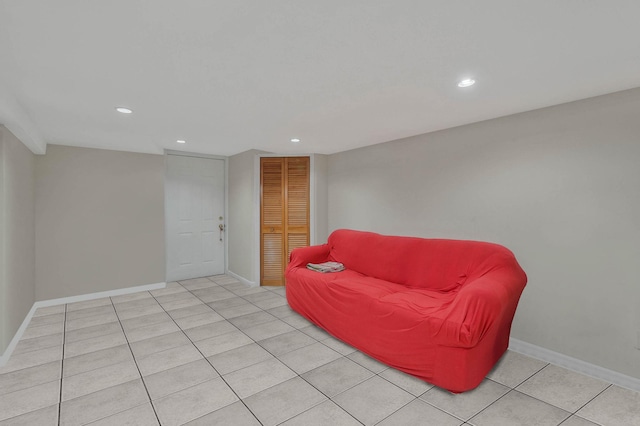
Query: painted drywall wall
x=17, y=234
x=242, y=215
x=321, y=194
x=99, y=221
x=558, y=186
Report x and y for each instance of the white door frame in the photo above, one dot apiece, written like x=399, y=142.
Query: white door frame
x=226, y=201
x=256, y=206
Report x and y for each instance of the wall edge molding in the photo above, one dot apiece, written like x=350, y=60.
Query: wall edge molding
x=242, y=279
x=80, y=298
x=574, y=364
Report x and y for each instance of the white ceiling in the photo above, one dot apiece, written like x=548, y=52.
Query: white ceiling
x=228, y=76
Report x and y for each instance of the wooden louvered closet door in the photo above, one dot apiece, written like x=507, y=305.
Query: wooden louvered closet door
x=284, y=213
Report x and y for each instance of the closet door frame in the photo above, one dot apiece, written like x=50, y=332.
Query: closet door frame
x=257, y=207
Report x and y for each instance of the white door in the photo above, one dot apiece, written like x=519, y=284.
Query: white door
x=194, y=209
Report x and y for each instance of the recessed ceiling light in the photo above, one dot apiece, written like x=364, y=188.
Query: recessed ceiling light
x=295, y=140
x=466, y=82
x=181, y=141
x=124, y=110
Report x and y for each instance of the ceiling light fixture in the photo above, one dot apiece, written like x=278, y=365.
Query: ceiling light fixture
x=124, y=110
x=295, y=140
x=181, y=141
x=466, y=82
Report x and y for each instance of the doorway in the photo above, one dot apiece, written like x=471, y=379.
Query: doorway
x=194, y=216
x=284, y=213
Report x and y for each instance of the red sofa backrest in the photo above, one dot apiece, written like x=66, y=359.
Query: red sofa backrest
x=436, y=264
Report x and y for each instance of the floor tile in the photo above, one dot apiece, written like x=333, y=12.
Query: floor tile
x=136, y=304
x=87, y=304
x=42, y=330
x=235, y=414
x=161, y=361
x=468, y=404
x=101, y=404
x=32, y=358
x=418, y=412
x=179, y=378
x=236, y=311
x=153, y=330
x=150, y=346
x=268, y=329
x=199, y=319
x=236, y=359
x=176, y=294
x=326, y=413
x=78, y=323
x=222, y=343
x=337, y=376
x=315, y=332
x=577, y=421
x=227, y=303
x=515, y=409
x=37, y=343
x=47, y=416
x=562, y=388
x=339, y=346
x=48, y=310
x=297, y=321
x=189, y=404
x=373, y=400
x=29, y=377
x=91, y=332
x=116, y=300
x=367, y=362
x=257, y=296
x=145, y=320
x=25, y=400
x=281, y=311
x=287, y=342
x=89, y=312
x=142, y=415
x=514, y=368
x=182, y=303
x=251, y=320
x=309, y=357
x=189, y=311
x=91, y=361
x=199, y=286
x=168, y=290
x=411, y=384
x=46, y=319
x=139, y=312
x=613, y=407
x=210, y=330
x=272, y=302
x=94, y=344
x=194, y=281
x=98, y=379
x=284, y=401
x=258, y=377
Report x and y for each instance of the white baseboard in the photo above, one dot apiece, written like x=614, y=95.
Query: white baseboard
x=242, y=279
x=53, y=302
x=574, y=364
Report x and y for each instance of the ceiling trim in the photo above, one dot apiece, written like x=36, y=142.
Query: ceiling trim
x=16, y=120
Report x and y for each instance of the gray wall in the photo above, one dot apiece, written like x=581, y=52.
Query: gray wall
x=558, y=186
x=99, y=221
x=17, y=234
x=242, y=216
x=321, y=195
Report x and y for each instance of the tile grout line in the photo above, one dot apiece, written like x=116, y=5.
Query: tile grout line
x=136, y=363
x=64, y=339
x=203, y=356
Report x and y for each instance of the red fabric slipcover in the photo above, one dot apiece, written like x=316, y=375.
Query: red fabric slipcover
x=440, y=310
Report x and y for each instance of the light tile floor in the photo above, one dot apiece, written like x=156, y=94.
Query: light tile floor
x=212, y=351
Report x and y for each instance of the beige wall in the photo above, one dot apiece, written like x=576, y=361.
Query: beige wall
x=242, y=215
x=17, y=234
x=559, y=186
x=99, y=221
x=321, y=194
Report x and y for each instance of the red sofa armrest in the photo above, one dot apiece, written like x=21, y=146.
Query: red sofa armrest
x=312, y=254
x=484, y=303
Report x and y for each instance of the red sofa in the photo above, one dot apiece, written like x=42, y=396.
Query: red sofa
x=440, y=310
